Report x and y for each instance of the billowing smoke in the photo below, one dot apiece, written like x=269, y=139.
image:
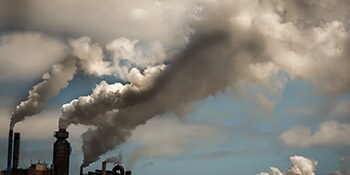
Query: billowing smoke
x=90, y=59
x=58, y=78
x=300, y=166
x=38, y=97
x=241, y=41
x=206, y=67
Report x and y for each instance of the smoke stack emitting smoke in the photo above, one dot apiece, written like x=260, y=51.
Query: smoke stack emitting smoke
x=41, y=93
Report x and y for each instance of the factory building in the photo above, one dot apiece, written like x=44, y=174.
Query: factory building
x=60, y=162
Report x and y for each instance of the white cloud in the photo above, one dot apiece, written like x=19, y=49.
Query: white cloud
x=300, y=166
x=329, y=134
x=28, y=55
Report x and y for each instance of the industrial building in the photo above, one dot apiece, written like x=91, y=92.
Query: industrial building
x=60, y=162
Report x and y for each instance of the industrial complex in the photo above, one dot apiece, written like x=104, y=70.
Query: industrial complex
x=60, y=162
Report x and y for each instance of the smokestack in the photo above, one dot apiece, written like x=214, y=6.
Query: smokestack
x=128, y=173
x=9, y=151
x=16, y=148
x=104, y=168
x=81, y=170
x=61, y=152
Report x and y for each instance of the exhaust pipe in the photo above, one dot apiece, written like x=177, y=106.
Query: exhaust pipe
x=16, y=148
x=9, y=152
x=104, y=167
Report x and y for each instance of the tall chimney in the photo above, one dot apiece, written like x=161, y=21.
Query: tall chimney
x=61, y=153
x=16, y=147
x=104, y=168
x=9, y=152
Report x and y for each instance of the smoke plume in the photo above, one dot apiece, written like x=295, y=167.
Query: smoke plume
x=205, y=68
x=41, y=93
x=115, y=160
x=242, y=41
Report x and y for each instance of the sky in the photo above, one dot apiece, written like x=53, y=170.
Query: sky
x=198, y=86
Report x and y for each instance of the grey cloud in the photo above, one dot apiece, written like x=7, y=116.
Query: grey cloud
x=113, y=19
x=169, y=136
x=329, y=134
x=26, y=56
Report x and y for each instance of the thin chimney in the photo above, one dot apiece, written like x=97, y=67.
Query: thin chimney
x=16, y=148
x=9, y=152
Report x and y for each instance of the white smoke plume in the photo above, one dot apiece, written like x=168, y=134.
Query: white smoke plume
x=300, y=166
x=38, y=97
x=241, y=41
x=115, y=160
x=90, y=58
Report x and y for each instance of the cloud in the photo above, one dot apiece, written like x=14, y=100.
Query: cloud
x=300, y=166
x=330, y=133
x=28, y=55
x=167, y=22
x=169, y=136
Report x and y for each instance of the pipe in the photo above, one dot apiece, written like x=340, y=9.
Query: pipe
x=16, y=148
x=9, y=152
x=104, y=168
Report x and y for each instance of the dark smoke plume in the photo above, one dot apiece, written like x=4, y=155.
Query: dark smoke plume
x=207, y=66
